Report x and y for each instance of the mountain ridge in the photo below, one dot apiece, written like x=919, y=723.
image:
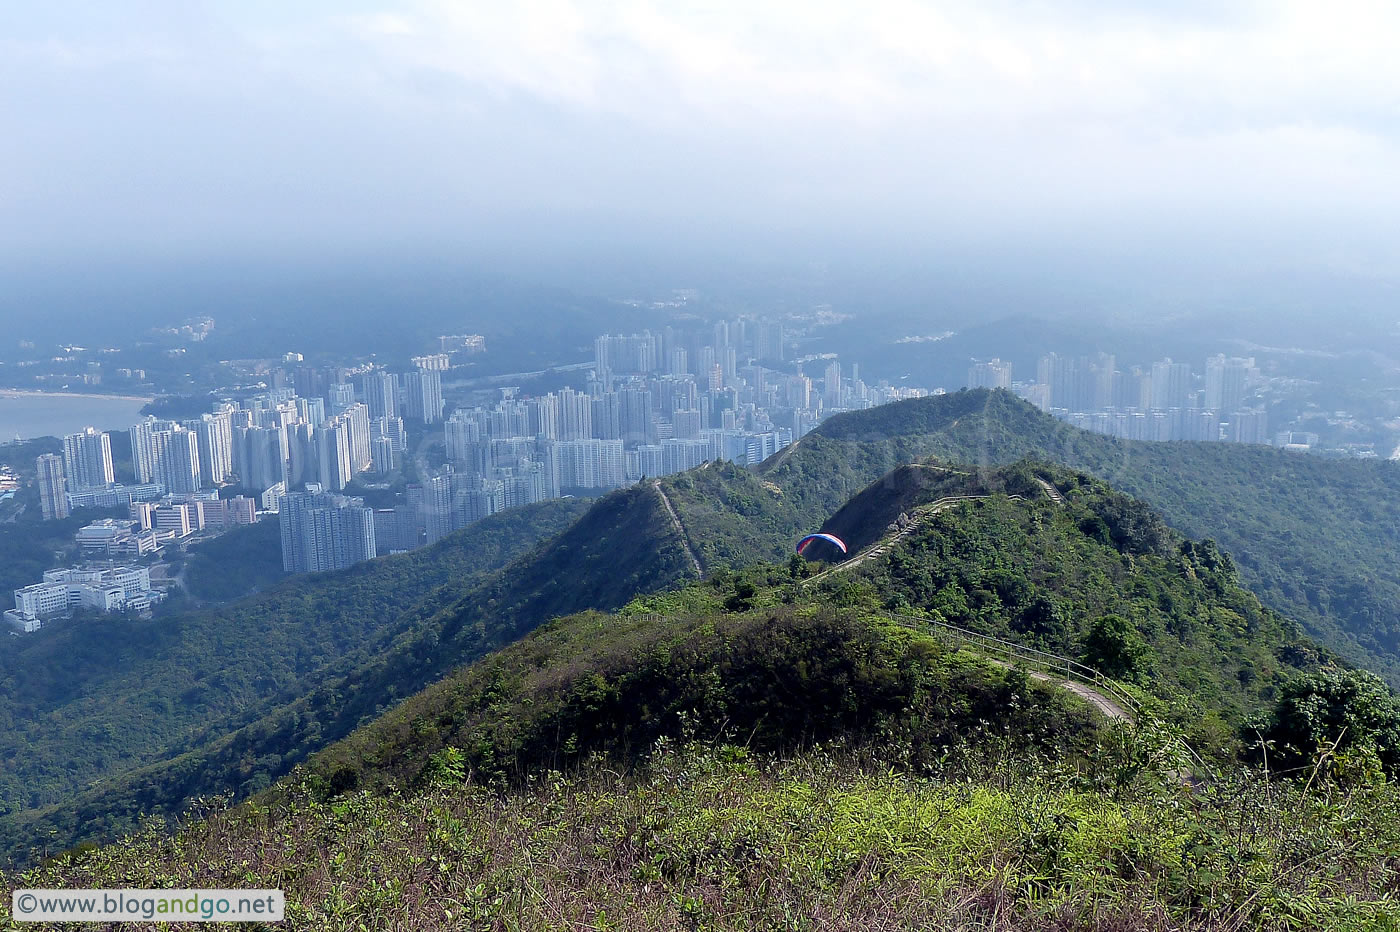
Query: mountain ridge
x=1317, y=538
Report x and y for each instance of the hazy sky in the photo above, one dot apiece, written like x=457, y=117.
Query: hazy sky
x=147, y=124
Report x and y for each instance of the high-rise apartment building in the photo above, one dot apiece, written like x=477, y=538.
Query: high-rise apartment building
x=391, y=429
x=168, y=453
x=606, y=414
x=1226, y=379
x=143, y=453
x=465, y=438
x=395, y=529
x=311, y=410
x=382, y=394
x=261, y=457
x=634, y=416
x=322, y=531
x=214, y=434
x=634, y=354
x=590, y=464
x=1171, y=384
x=1249, y=427
x=381, y=455
x=53, y=497
x=769, y=341
x=990, y=374
x=176, y=459
x=831, y=385
x=575, y=415
x=340, y=395
x=422, y=392
x=544, y=416
x=87, y=460
x=358, y=417
x=434, y=504
x=333, y=453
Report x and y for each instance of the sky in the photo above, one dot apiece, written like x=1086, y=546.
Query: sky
x=166, y=126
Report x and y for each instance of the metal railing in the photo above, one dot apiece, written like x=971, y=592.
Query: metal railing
x=1028, y=656
x=1048, y=662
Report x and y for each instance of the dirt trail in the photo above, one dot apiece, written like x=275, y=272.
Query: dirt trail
x=680, y=528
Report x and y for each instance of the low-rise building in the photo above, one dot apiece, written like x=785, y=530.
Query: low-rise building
x=105, y=589
x=103, y=534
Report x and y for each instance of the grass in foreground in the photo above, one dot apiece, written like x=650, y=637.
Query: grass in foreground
x=711, y=837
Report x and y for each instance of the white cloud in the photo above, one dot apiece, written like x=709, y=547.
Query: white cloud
x=892, y=60
x=723, y=108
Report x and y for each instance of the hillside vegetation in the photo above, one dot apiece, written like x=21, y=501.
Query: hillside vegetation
x=1317, y=539
x=96, y=697
x=621, y=545
x=765, y=749
x=1170, y=614
x=768, y=652
x=1101, y=579
x=626, y=543
x=237, y=563
x=776, y=678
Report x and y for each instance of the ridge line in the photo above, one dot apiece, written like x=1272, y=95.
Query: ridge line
x=679, y=528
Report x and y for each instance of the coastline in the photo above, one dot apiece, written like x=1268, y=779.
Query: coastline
x=38, y=393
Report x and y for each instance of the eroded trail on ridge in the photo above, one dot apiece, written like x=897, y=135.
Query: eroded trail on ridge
x=680, y=528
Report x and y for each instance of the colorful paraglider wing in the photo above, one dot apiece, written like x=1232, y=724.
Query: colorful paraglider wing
x=829, y=538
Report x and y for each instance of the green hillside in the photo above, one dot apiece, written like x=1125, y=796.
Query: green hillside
x=1029, y=571
x=1100, y=578
x=622, y=544
x=731, y=517
x=1318, y=539
x=235, y=564
x=721, y=838
x=244, y=730
x=772, y=749
x=95, y=697
x=775, y=678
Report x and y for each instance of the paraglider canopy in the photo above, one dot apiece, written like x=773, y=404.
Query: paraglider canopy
x=806, y=542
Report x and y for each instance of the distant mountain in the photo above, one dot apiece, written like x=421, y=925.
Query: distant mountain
x=1317, y=538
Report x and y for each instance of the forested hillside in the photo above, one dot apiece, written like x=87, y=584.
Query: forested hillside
x=623, y=544
x=1101, y=579
x=90, y=698
x=252, y=730
x=1318, y=539
x=772, y=742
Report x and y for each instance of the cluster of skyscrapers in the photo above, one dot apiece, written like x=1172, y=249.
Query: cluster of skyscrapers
x=265, y=444
x=1167, y=400
x=653, y=403
x=324, y=531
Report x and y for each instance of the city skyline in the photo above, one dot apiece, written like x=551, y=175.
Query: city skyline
x=652, y=403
